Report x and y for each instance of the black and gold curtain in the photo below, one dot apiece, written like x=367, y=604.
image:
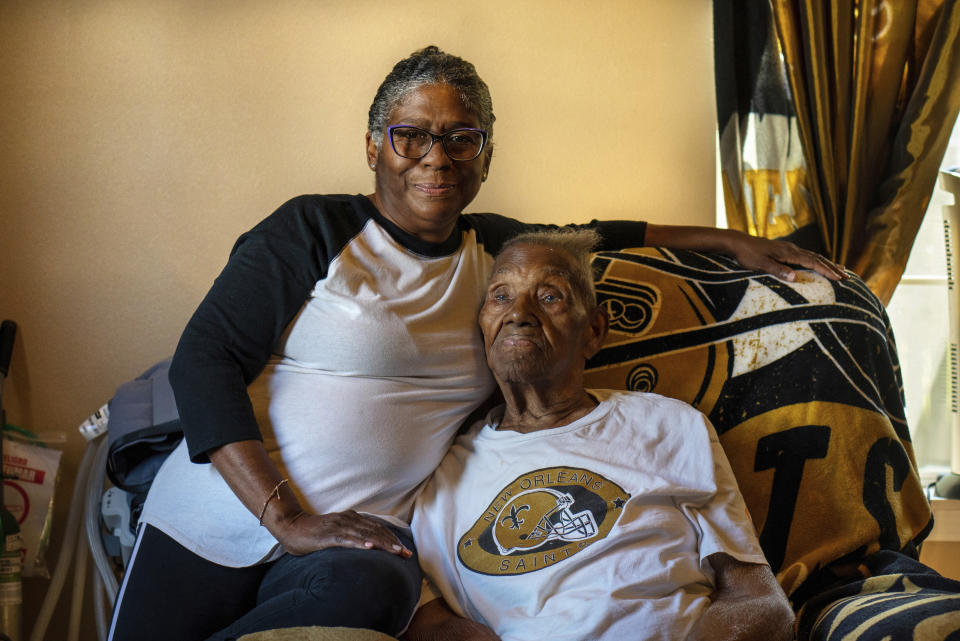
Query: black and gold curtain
x=834, y=116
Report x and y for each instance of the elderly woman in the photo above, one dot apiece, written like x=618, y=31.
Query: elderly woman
x=323, y=377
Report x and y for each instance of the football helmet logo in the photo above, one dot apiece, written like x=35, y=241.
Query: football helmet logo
x=535, y=517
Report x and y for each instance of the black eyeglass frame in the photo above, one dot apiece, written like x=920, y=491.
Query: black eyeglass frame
x=441, y=137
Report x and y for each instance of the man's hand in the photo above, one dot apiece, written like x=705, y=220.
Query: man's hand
x=747, y=605
x=437, y=622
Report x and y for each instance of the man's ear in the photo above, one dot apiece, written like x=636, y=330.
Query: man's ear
x=373, y=153
x=599, y=324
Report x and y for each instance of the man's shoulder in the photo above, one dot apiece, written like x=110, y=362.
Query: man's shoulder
x=645, y=421
x=649, y=401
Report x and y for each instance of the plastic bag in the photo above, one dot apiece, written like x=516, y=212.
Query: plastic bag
x=31, y=472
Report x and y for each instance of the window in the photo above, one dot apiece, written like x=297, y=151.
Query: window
x=919, y=315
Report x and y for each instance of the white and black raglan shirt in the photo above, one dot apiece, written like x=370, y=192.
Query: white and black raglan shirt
x=350, y=347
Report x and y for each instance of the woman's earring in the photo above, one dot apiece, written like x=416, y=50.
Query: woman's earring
x=373, y=166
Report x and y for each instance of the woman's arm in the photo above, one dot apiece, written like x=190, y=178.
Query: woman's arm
x=437, y=622
x=747, y=605
x=762, y=254
x=248, y=470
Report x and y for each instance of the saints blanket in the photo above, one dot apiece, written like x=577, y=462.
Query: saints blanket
x=802, y=382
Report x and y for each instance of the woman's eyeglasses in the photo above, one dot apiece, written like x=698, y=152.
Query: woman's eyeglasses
x=415, y=143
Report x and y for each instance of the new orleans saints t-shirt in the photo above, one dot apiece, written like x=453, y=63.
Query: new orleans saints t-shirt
x=599, y=529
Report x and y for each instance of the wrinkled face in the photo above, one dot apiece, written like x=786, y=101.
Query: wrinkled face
x=535, y=328
x=424, y=196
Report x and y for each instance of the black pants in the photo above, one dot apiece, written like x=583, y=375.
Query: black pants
x=169, y=592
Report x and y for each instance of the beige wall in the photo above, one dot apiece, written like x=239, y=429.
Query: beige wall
x=138, y=139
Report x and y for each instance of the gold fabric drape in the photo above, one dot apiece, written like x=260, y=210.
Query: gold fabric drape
x=875, y=89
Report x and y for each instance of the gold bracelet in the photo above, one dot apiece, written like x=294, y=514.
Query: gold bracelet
x=274, y=494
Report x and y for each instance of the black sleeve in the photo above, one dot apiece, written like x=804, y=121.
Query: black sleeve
x=232, y=334
x=494, y=230
x=619, y=234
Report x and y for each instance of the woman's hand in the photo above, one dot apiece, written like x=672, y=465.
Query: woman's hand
x=775, y=257
x=248, y=470
x=778, y=257
x=303, y=533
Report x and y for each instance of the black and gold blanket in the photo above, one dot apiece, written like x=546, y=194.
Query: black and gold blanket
x=801, y=381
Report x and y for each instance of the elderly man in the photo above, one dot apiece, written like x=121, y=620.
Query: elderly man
x=583, y=514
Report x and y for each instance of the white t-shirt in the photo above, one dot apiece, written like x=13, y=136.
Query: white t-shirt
x=597, y=530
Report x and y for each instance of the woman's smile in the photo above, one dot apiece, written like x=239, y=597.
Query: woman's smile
x=436, y=189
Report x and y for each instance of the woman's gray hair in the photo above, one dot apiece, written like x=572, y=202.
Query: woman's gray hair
x=430, y=66
x=578, y=244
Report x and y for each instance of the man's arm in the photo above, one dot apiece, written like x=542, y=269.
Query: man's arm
x=747, y=605
x=437, y=622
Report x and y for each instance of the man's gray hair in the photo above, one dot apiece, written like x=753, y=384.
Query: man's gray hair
x=578, y=245
x=430, y=66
